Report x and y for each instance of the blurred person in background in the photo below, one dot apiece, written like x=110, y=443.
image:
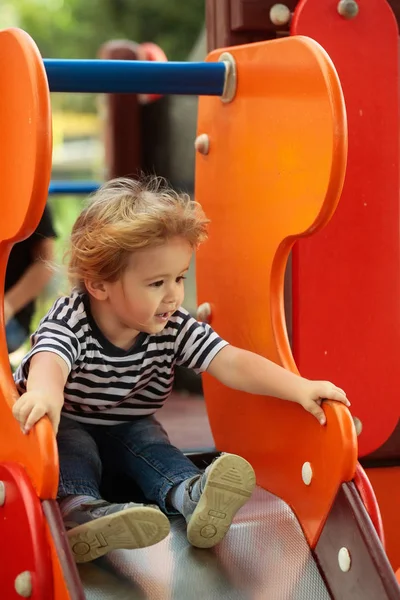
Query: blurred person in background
x=27, y=276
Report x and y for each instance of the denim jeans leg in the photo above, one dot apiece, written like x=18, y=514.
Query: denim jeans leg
x=80, y=464
x=142, y=451
x=15, y=334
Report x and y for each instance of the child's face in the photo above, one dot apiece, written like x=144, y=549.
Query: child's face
x=151, y=288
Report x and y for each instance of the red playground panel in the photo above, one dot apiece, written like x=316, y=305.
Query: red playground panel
x=25, y=568
x=346, y=278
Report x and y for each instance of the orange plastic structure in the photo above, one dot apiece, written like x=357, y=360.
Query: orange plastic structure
x=25, y=166
x=274, y=172
x=25, y=163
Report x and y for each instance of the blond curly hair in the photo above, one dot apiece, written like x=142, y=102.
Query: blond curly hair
x=126, y=215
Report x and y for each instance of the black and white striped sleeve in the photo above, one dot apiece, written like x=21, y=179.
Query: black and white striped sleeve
x=55, y=336
x=196, y=345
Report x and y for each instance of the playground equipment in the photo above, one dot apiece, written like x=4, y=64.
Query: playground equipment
x=344, y=281
x=270, y=170
x=73, y=187
x=88, y=76
x=358, y=278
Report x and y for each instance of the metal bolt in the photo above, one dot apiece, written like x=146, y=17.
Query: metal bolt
x=202, y=143
x=306, y=473
x=23, y=584
x=344, y=560
x=2, y=493
x=348, y=9
x=279, y=14
x=204, y=312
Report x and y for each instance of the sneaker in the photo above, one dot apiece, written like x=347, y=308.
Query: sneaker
x=226, y=485
x=98, y=527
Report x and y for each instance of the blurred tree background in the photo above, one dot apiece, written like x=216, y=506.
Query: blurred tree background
x=77, y=29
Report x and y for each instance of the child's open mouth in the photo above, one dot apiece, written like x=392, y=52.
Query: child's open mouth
x=163, y=316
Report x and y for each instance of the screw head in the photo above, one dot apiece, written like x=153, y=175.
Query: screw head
x=348, y=9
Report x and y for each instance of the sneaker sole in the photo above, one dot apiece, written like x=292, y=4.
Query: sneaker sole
x=230, y=484
x=137, y=527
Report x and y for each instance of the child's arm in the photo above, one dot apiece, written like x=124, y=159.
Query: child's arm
x=249, y=372
x=48, y=374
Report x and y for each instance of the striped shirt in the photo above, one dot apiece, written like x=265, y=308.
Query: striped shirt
x=106, y=384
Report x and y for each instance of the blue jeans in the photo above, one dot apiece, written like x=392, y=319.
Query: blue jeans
x=15, y=334
x=139, y=451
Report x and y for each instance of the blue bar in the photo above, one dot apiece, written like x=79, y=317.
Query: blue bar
x=73, y=187
x=137, y=77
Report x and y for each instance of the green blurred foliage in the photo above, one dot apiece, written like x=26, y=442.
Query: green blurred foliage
x=77, y=28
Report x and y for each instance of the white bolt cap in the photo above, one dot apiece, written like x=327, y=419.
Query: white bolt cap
x=204, y=312
x=344, y=559
x=279, y=14
x=2, y=493
x=23, y=584
x=202, y=144
x=358, y=425
x=306, y=473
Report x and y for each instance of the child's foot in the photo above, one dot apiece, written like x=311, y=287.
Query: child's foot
x=98, y=527
x=225, y=486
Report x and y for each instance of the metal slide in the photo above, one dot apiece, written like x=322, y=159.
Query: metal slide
x=264, y=555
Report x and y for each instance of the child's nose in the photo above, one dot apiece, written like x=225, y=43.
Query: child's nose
x=170, y=297
x=173, y=293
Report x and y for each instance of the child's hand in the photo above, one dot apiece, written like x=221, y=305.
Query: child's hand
x=34, y=405
x=316, y=391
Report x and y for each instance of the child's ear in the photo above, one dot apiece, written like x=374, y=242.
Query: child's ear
x=97, y=289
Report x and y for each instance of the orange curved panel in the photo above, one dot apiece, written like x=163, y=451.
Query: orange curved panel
x=25, y=122
x=274, y=172
x=353, y=334
x=25, y=167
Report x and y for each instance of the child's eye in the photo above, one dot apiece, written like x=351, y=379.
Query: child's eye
x=157, y=283
x=179, y=279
